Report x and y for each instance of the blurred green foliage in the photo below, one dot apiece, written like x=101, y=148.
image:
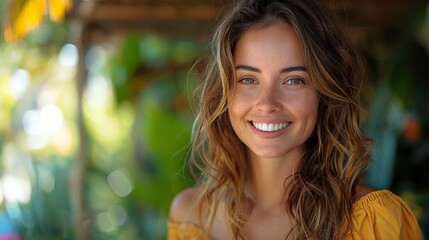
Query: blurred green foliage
x=149, y=77
x=398, y=121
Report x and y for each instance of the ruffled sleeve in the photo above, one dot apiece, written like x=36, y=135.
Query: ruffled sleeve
x=383, y=215
x=182, y=231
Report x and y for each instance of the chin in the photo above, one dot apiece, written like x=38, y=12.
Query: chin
x=269, y=154
x=276, y=152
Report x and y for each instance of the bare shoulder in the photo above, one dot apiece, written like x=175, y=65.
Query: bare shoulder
x=362, y=190
x=183, y=207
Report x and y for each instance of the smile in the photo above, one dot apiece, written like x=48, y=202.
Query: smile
x=270, y=127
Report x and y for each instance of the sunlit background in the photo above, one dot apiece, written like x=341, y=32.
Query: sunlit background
x=96, y=114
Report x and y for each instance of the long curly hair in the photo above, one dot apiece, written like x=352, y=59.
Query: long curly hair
x=321, y=197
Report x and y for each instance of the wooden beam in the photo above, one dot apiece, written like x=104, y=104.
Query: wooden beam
x=115, y=11
x=78, y=178
x=380, y=13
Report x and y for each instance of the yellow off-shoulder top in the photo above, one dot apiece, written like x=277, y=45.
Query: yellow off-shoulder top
x=378, y=215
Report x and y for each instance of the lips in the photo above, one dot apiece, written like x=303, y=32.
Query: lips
x=270, y=127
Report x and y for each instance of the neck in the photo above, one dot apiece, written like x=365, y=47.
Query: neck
x=270, y=180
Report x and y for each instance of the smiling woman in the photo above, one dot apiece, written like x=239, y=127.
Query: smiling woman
x=277, y=140
x=273, y=89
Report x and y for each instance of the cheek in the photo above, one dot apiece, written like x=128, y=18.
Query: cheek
x=238, y=106
x=307, y=109
x=232, y=109
x=312, y=107
x=237, y=103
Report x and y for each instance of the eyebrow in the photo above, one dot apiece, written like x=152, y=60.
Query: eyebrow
x=284, y=70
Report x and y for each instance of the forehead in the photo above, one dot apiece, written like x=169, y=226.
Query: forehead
x=276, y=43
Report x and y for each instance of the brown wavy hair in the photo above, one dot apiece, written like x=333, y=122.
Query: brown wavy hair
x=321, y=197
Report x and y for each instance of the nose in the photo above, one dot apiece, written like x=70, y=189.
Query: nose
x=269, y=99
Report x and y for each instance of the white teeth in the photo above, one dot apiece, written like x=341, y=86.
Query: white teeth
x=270, y=127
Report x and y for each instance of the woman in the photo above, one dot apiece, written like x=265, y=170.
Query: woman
x=277, y=138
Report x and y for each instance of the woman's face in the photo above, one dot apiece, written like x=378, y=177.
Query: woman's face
x=273, y=110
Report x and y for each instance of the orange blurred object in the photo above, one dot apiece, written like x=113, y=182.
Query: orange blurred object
x=412, y=130
x=24, y=16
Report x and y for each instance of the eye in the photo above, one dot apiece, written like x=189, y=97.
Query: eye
x=247, y=81
x=295, y=81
